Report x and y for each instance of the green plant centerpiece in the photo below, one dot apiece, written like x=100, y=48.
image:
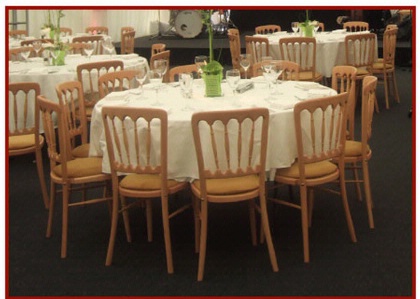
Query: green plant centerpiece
x=213, y=70
x=307, y=27
x=58, y=49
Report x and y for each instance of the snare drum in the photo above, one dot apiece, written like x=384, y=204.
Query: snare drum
x=188, y=23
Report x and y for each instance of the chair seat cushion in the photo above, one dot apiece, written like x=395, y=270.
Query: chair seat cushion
x=81, y=167
x=307, y=76
x=231, y=185
x=21, y=141
x=144, y=182
x=81, y=151
x=379, y=65
x=362, y=72
x=312, y=170
x=353, y=148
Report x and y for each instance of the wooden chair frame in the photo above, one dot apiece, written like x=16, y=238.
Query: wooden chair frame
x=266, y=29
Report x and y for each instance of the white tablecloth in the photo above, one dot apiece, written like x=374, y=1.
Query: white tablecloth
x=330, y=49
x=182, y=158
x=49, y=76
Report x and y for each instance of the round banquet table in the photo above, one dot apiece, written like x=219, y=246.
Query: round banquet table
x=182, y=163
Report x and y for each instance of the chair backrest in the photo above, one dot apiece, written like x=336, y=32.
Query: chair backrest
x=321, y=26
x=320, y=129
x=290, y=69
x=137, y=141
x=360, y=50
x=15, y=53
x=230, y=143
x=18, y=33
x=391, y=26
x=29, y=43
x=88, y=75
x=126, y=29
x=77, y=48
x=127, y=42
x=157, y=48
x=97, y=30
x=162, y=55
x=389, y=46
x=95, y=39
x=301, y=50
x=368, y=107
x=70, y=97
x=235, y=47
x=355, y=26
x=22, y=108
x=344, y=80
x=257, y=46
x=116, y=81
x=65, y=31
x=266, y=29
x=187, y=68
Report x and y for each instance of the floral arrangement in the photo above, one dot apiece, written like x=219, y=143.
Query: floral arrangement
x=52, y=28
x=308, y=26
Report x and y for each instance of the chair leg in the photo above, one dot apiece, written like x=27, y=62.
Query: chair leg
x=267, y=233
x=346, y=204
x=149, y=220
x=51, y=209
x=40, y=169
x=394, y=80
x=167, y=235
x=304, y=220
x=252, y=221
x=65, y=222
x=386, y=88
x=196, y=207
x=357, y=183
x=311, y=192
x=126, y=219
x=203, y=240
x=114, y=224
x=368, y=193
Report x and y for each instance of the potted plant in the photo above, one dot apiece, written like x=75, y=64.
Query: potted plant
x=307, y=27
x=52, y=28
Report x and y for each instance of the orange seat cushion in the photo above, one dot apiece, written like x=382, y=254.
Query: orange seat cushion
x=231, y=185
x=312, y=170
x=21, y=141
x=81, y=167
x=353, y=148
x=380, y=65
x=81, y=151
x=307, y=76
x=144, y=182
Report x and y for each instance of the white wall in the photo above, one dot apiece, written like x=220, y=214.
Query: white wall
x=78, y=20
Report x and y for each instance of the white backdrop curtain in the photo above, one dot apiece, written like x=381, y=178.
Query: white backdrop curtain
x=142, y=20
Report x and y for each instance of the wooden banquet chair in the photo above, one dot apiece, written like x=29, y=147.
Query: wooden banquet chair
x=301, y=50
x=95, y=39
x=15, y=53
x=24, y=135
x=29, y=43
x=355, y=26
x=127, y=42
x=321, y=26
x=384, y=68
x=65, y=170
x=19, y=34
x=290, y=69
x=70, y=97
x=97, y=30
x=187, y=68
x=344, y=80
x=358, y=153
x=137, y=143
x=360, y=53
x=257, y=46
x=88, y=75
x=266, y=29
x=162, y=55
x=66, y=31
x=126, y=29
x=157, y=48
x=116, y=81
x=313, y=166
x=235, y=49
x=77, y=48
x=218, y=136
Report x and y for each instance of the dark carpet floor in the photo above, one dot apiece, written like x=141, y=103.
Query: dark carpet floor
x=379, y=264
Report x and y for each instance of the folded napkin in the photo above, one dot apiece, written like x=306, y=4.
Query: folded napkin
x=320, y=93
x=339, y=31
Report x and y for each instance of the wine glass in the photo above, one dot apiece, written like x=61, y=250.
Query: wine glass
x=200, y=61
x=245, y=62
x=232, y=77
x=316, y=26
x=155, y=79
x=160, y=66
x=37, y=45
x=108, y=46
x=295, y=27
x=89, y=48
x=25, y=54
x=141, y=76
x=275, y=71
x=186, y=83
x=266, y=63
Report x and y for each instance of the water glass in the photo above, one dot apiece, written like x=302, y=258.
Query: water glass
x=245, y=62
x=233, y=77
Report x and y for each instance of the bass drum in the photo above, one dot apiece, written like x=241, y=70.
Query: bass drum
x=188, y=23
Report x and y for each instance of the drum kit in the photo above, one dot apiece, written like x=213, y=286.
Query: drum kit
x=189, y=24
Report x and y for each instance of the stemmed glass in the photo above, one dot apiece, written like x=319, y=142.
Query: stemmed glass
x=160, y=66
x=108, y=46
x=245, y=62
x=89, y=49
x=25, y=54
x=232, y=77
x=316, y=26
x=275, y=71
x=295, y=27
x=186, y=82
x=200, y=61
x=155, y=79
x=141, y=76
x=37, y=46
